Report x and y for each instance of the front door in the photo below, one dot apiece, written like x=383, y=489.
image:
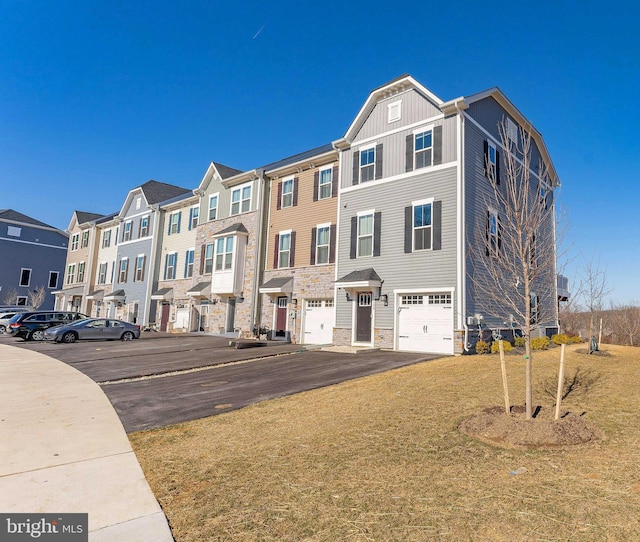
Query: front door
x=281, y=317
x=363, y=318
x=231, y=314
x=164, y=319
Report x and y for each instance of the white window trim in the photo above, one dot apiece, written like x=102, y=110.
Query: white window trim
x=84, y=271
x=135, y=271
x=193, y=261
x=57, y=279
x=175, y=265
x=330, y=183
x=240, y=188
x=371, y=212
x=75, y=242
x=148, y=217
x=191, y=225
x=414, y=204
x=217, y=207
x=328, y=245
x=290, y=179
x=280, y=234
x=124, y=231
x=22, y=269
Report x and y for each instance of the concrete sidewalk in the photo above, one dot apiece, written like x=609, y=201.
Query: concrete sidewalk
x=63, y=449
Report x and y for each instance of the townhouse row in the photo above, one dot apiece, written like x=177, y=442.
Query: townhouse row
x=363, y=241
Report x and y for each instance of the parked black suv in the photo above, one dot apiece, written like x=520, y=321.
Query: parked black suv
x=31, y=325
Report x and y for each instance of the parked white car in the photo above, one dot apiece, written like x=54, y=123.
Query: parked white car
x=5, y=316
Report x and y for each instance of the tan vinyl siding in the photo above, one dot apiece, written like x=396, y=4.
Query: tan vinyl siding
x=301, y=218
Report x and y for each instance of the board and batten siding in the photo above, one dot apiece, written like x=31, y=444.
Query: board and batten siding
x=415, y=107
x=428, y=269
x=394, y=149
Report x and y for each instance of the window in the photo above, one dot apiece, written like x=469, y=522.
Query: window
x=324, y=184
x=213, y=207
x=493, y=233
x=170, y=266
x=439, y=299
x=534, y=305
x=367, y=164
x=14, y=231
x=102, y=273
x=207, y=259
x=25, y=277
x=174, y=223
x=241, y=200
x=81, y=272
x=224, y=253
x=139, y=272
x=138, y=202
x=106, y=238
x=322, y=244
x=287, y=193
x=193, y=217
x=411, y=300
x=284, y=250
x=71, y=273
x=144, y=227
x=365, y=235
x=394, y=111
x=53, y=279
x=126, y=232
x=188, y=263
x=75, y=238
x=21, y=301
x=422, y=230
x=85, y=239
x=124, y=267
x=492, y=162
x=512, y=130
x=423, y=149
x=531, y=250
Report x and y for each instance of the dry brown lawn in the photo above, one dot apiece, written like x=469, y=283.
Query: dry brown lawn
x=381, y=458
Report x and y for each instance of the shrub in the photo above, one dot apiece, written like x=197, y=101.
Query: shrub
x=518, y=341
x=482, y=347
x=506, y=346
x=540, y=343
x=575, y=339
x=560, y=338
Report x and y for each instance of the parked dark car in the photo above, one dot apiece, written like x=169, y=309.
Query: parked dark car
x=93, y=328
x=32, y=325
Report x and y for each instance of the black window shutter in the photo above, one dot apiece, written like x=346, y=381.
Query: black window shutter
x=408, y=229
x=292, y=250
x=437, y=145
x=166, y=264
x=295, y=192
x=276, y=251
x=354, y=237
x=497, y=167
x=316, y=185
x=332, y=244
x=409, y=153
x=279, y=202
x=485, y=164
x=334, y=181
x=378, y=161
x=487, y=234
x=499, y=235
x=356, y=167
x=436, y=224
x=377, y=224
x=314, y=234
x=202, y=249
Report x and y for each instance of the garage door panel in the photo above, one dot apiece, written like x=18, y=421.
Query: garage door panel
x=425, y=323
x=319, y=320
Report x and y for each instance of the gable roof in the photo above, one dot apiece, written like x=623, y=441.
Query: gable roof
x=300, y=157
x=224, y=172
x=155, y=191
x=9, y=215
x=83, y=216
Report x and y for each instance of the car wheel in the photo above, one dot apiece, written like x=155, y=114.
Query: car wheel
x=36, y=335
x=69, y=337
x=127, y=336
x=2, y=330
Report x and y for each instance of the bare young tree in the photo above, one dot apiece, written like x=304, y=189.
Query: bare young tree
x=514, y=259
x=11, y=297
x=36, y=297
x=593, y=288
x=626, y=322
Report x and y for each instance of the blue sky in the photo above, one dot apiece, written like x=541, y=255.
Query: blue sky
x=98, y=97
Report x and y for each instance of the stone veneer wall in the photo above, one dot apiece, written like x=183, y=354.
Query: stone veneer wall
x=217, y=316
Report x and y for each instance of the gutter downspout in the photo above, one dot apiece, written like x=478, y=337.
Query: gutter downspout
x=151, y=275
x=462, y=253
x=262, y=229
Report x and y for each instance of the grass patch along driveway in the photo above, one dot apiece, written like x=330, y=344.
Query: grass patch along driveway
x=381, y=458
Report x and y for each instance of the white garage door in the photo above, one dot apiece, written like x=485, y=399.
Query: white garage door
x=319, y=319
x=425, y=323
x=182, y=319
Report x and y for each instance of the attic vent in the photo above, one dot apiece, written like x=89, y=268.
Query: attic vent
x=512, y=130
x=394, y=110
x=138, y=202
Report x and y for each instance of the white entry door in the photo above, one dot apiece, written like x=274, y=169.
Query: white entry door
x=182, y=319
x=319, y=319
x=425, y=323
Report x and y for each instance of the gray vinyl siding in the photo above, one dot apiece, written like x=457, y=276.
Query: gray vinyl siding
x=394, y=150
x=478, y=196
x=415, y=107
x=429, y=269
x=489, y=113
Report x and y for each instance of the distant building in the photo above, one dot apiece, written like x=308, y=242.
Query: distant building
x=32, y=255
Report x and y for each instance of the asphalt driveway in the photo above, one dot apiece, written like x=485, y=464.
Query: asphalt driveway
x=160, y=380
